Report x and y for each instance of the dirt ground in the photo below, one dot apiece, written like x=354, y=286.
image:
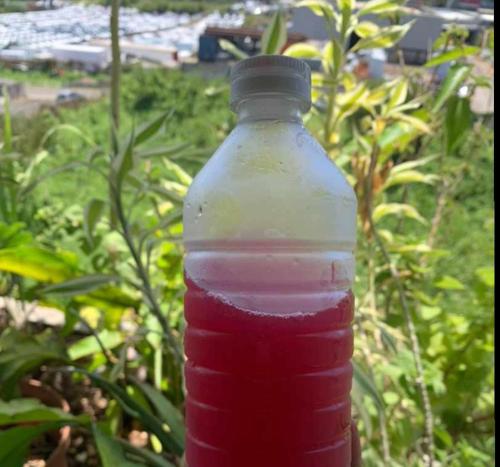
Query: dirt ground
x=36, y=97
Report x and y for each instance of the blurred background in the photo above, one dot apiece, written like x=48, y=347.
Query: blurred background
x=108, y=109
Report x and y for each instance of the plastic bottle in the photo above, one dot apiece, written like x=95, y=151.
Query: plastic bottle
x=269, y=229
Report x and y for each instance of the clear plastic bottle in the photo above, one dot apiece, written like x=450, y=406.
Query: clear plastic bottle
x=269, y=230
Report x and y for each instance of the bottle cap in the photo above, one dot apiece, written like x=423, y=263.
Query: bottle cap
x=271, y=74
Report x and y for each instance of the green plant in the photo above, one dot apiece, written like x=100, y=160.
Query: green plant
x=420, y=161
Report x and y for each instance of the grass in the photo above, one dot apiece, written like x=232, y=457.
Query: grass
x=50, y=78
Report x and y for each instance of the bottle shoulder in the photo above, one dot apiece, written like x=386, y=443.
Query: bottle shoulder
x=270, y=179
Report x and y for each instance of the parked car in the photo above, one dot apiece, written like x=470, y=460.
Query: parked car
x=67, y=95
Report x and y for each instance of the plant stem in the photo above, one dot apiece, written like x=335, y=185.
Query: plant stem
x=110, y=357
x=115, y=63
x=146, y=288
x=415, y=346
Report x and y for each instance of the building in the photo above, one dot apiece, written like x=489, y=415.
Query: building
x=89, y=57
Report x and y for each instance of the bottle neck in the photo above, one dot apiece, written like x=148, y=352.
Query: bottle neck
x=269, y=108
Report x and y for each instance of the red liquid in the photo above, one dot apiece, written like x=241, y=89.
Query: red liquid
x=267, y=390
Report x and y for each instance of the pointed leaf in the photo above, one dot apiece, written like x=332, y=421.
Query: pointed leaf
x=404, y=166
x=379, y=6
x=398, y=94
x=274, y=37
x=166, y=151
x=91, y=215
x=110, y=451
x=449, y=283
x=14, y=442
x=166, y=410
x=366, y=29
x=177, y=172
x=151, y=459
x=148, y=130
x=455, y=77
x=486, y=275
x=452, y=55
x=7, y=126
x=408, y=176
x=17, y=411
x=123, y=162
x=36, y=263
x=80, y=285
x=406, y=210
x=457, y=122
x=366, y=386
x=415, y=122
x=134, y=409
x=387, y=37
x=302, y=51
x=74, y=130
x=319, y=8
x=89, y=345
x=346, y=5
x=232, y=49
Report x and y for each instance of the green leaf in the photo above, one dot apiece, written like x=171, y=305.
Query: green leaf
x=378, y=7
x=152, y=459
x=398, y=94
x=74, y=130
x=452, y=55
x=457, y=122
x=13, y=235
x=408, y=176
x=387, y=37
x=274, y=37
x=148, y=130
x=404, y=166
x=449, y=283
x=455, y=77
x=36, y=263
x=17, y=411
x=386, y=209
x=20, y=353
x=166, y=411
x=367, y=387
x=319, y=8
x=413, y=121
x=164, y=151
x=486, y=275
x=110, y=450
x=357, y=399
x=14, y=442
x=302, y=51
x=7, y=125
x=81, y=285
x=89, y=345
x=345, y=5
x=123, y=162
x=91, y=215
x=135, y=410
x=229, y=47
x=430, y=312
x=177, y=172
x=366, y=29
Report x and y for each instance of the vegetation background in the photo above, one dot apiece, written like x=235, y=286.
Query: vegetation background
x=90, y=225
